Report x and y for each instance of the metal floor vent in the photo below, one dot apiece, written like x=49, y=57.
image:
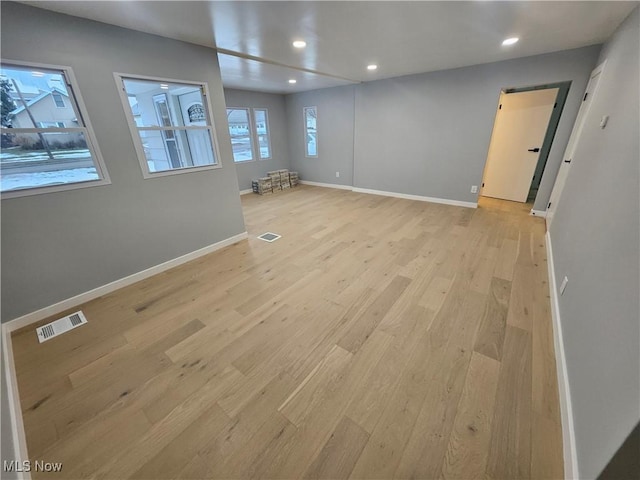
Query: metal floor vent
x=269, y=237
x=60, y=326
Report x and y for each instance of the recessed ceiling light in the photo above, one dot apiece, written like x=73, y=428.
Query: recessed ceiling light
x=164, y=86
x=292, y=81
x=510, y=41
x=372, y=67
x=299, y=44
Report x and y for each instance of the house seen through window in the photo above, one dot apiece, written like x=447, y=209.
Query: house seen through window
x=45, y=142
x=170, y=124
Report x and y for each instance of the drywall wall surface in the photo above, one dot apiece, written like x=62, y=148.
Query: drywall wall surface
x=275, y=105
x=596, y=242
x=335, y=126
x=429, y=134
x=58, y=245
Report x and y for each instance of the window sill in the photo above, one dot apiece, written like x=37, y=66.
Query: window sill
x=27, y=192
x=179, y=171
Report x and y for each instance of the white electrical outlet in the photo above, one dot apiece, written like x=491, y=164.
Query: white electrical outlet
x=337, y=174
x=563, y=285
x=474, y=189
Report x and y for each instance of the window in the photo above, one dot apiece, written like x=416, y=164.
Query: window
x=261, y=121
x=310, y=132
x=170, y=124
x=240, y=131
x=39, y=154
x=248, y=136
x=57, y=98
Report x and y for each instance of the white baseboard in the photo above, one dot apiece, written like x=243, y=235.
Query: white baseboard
x=406, y=196
x=244, y=192
x=20, y=453
x=54, y=309
x=326, y=185
x=419, y=198
x=538, y=213
x=566, y=411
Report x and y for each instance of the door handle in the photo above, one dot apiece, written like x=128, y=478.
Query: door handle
x=568, y=160
x=534, y=150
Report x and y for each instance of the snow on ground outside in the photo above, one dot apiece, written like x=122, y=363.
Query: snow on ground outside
x=17, y=181
x=40, y=155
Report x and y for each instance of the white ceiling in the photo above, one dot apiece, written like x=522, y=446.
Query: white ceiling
x=254, y=38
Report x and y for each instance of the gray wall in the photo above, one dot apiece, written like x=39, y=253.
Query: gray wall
x=275, y=104
x=58, y=245
x=596, y=242
x=335, y=135
x=428, y=134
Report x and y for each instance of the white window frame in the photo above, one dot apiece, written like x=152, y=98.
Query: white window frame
x=134, y=129
x=304, y=119
x=77, y=103
x=251, y=136
x=255, y=129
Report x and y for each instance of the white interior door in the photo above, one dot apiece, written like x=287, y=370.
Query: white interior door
x=518, y=133
x=565, y=166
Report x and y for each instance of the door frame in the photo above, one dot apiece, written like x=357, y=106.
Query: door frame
x=574, y=139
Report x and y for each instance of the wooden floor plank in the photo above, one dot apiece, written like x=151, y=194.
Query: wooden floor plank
x=426, y=445
x=467, y=450
x=546, y=448
x=521, y=302
x=490, y=335
x=428, y=372
x=510, y=446
x=173, y=458
x=339, y=455
x=314, y=388
x=366, y=323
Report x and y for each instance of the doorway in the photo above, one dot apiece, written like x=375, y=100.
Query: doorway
x=524, y=128
x=565, y=166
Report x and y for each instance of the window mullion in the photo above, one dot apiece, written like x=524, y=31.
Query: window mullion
x=255, y=145
x=17, y=131
x=174, y=127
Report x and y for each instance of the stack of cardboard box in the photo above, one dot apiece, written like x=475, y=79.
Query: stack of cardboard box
x=275, y=181
x=262, y=185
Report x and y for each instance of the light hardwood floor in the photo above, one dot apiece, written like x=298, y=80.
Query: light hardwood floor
x=378, y=338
